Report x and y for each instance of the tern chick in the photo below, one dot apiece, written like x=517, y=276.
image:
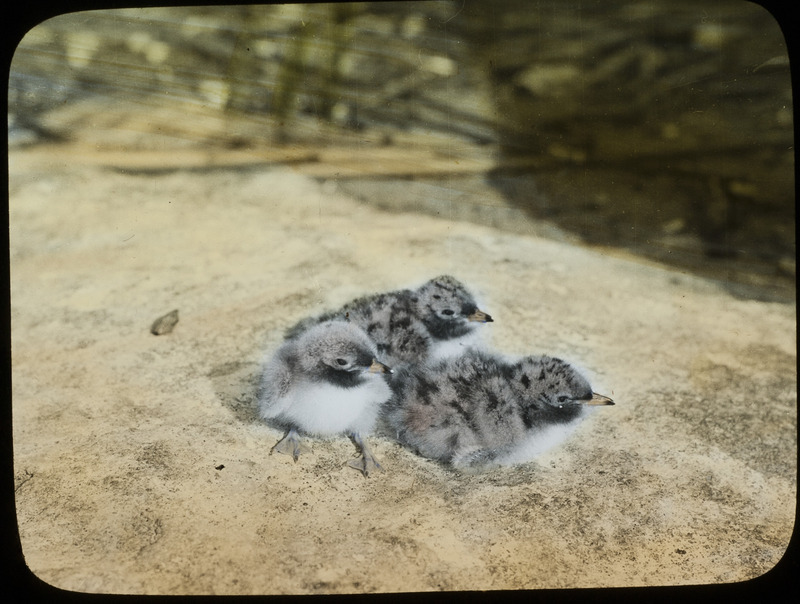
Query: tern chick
x=478, y=410
x=325, y=382
x=436, y=320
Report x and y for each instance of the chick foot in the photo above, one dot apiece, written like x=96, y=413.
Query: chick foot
x=367, y=462
x=290, y=445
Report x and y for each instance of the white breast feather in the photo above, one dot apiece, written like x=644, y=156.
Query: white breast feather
x=540, y=441
x=325, y=409
x=446, y=349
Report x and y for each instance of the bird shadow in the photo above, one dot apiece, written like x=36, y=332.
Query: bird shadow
x=236, y=385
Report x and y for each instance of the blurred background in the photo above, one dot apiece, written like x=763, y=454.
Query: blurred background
x=660, y=128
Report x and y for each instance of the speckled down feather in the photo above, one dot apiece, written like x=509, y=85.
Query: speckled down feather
x=479, y=410
x=436, y=320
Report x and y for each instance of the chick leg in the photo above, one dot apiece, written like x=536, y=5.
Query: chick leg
x=290, y=445
x=367, y=462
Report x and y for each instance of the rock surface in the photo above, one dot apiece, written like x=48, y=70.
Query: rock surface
x=141, y=467
x=664, y=128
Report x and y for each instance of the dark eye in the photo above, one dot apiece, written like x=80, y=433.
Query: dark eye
x=563, y=399
x=437, y=297
x=341, y=362
x=448, y=312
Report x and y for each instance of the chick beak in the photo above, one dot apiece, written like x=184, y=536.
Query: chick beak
x=480, y=317
x=378, y=367
x=599, y=399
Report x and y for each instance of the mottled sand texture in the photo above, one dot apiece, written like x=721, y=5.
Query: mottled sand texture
x=142, y=468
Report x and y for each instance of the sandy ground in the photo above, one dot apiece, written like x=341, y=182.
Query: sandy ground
x=141, y=468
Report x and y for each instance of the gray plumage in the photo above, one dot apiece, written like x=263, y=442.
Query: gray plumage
x=434, y=321
x=478, y=410
x=325, y=382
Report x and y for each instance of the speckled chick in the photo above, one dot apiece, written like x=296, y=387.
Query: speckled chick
x=478, y=410
x=325, y=382
x=437, y=320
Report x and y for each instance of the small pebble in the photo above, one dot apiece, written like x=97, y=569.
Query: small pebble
x=165, y=324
